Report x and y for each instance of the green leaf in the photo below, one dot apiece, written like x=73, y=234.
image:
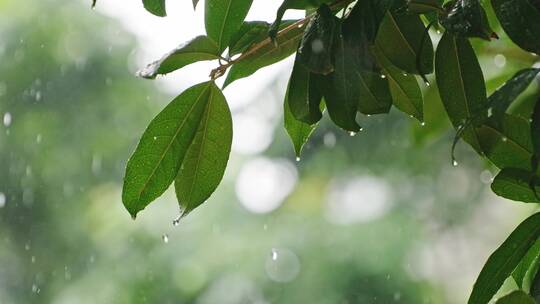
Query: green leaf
x=400, y=40
x=156, y=7
x=501, y=99
x=298, y=131
x=265, y=55
x=304, y=94
x=461, y=83
x=516, y=297
x=251, y=32
x=502, y=262
x=374, y=93
x=198, y=49
x=195, y=2
x=159, y=154
x=207, y=156
x=527, y=268
x=520, y=19
x=223, y=18
x=315, y=50
x=467, y=18
x=513, y=184
x=506, y=143
x=535, y=130
x=406, y=93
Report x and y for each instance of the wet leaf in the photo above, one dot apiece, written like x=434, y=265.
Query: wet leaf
x=504, y=260
x=206, y=159
x=265, y=56
x=155, y=7
x=299, y=131
x=315, y=51
x=198, y=49
x=467, y=18
x=304, y=94
x=423, y=6
x=249, y=33
x=406, y=94
x=516, y=297
x=461, y=84
x=535, y=130
x=159, y=154
x=501, y=99
x=513, y=184
x=527, y=268
x=223, y=18
x=520, y=19
x=400, y=40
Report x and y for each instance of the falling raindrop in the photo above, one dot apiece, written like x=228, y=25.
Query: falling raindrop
x=274, y=254
x=38, y=95
x=2, y=200
x=35, y=288
x=282, y=265
x=329, y=139
x=7, y=119
x=499, y=60
x=33, y=259
x=165, y=238
x=423, y=123
x=297, y=158
x=39, y=138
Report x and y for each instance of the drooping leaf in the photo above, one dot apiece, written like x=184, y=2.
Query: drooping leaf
x=424, y=6
x=195, y=2
x=374, y=93
x=155, y=7
x=504, y=260
x=400, y=40
x=315, y=51
x=304, y=94
x=520, y=19
x=461, y=84
x=198, y=49
x=501, y=99
x=265, y=55
x=206, y=159
x=292, y=4
x=299, y=131
x=535, y=130
x=365, y=18
x=159, y=154
x=516, y=297
x=223, y=18
x=513, y=183
x=527, y=268
x=467, y=18
x=406, y=94
x=506, y=143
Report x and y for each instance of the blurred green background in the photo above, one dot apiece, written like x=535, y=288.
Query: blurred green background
x=382, y=217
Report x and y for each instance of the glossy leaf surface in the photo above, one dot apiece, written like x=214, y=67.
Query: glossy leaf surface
x=223, y=18
x=512, y=183
x=520, y=19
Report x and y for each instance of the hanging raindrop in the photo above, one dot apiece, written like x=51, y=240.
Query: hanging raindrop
x=297, y=158
x=165, y=238
x=454, y=163
x=351, y=133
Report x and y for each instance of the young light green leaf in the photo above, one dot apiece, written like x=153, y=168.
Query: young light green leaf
x=504, y=260
x=223, y=18
x=159, y=154
x=520, y=19
x=516, y=297
x=527, y=268
x=501, y=99
x=400, y=39
x=206, y=159
x=156, y=7
x=265, y=55
x=513, y=184
x=304, y=94
x=299, y=131
x=506, y=143
x=198, y=49
x=406, y=93
x=461, y=83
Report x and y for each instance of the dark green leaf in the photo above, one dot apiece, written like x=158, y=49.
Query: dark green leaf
x=304, y=94
x=198, y=49
x=406, y=93
x=156, y=7
x=292, y=4
x=535, y=130
x=535, y=288
x=205, y=162
x=374, y=93
x=298, y=131
x=513, y=183
x=516, y=297
x=461, y=83
x=520, y=19
x=159, y=154
x=195, y=2
x=266, y=55
x=424, y=6
x=315, y=50
x=506, y=143
x=527, y=268
x=223, y=18
x=504, y=260
x=467, y=18
x=400, y=40
x=249, y=33
x=501, y=99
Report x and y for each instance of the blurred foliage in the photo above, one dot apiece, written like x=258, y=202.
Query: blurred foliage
x=75, y=112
